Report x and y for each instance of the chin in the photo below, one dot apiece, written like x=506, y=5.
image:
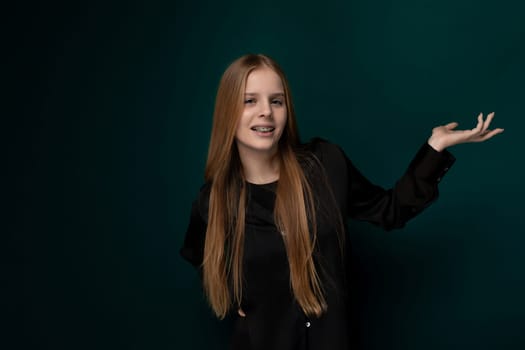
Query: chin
x=258, y=147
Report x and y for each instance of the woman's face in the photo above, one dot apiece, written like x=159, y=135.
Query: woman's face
x=264, y=116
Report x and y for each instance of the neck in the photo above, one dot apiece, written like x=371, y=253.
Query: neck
x=260, y=168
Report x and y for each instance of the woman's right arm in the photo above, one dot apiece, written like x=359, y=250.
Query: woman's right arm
x=193, y=248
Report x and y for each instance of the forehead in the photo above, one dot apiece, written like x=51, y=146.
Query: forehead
x=264, y=80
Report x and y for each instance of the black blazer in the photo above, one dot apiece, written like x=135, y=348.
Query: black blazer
x=274, y=320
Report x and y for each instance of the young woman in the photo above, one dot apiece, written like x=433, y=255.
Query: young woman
x=267, y=229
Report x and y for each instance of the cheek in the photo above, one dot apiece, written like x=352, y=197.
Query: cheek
x=284, y=120
x=243, y=121
x=282, y=127
x=242, y=129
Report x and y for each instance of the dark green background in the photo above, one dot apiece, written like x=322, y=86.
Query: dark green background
x=112, y=106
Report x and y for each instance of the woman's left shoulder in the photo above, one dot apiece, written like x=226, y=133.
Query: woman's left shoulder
x=324, y=150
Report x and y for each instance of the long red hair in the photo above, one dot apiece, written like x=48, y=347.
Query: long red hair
x=294, y=210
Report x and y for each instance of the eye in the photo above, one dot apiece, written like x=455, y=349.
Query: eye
x=277, y=102
x=249, y=101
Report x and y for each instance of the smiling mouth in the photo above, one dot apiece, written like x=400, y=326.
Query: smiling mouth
x=263, y=129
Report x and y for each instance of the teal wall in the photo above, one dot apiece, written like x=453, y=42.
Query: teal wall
x=113, y=106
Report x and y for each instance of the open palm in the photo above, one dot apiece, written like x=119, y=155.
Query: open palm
x=445, y=136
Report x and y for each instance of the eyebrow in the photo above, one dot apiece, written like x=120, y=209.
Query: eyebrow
x=275, y=94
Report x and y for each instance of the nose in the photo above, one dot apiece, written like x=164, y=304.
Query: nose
x=266, y=110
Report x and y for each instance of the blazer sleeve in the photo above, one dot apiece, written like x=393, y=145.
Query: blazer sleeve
x=193, y=247
x=413, y=192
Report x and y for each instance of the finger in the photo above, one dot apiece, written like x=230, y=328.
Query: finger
x=451, y=126
x=241, y=313
x=487, y=122
x=492, y=133
x=479, y=126
x=489, y=135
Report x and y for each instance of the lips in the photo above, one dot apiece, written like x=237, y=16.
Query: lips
x=263, y=128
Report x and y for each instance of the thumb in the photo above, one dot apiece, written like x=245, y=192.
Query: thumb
x=451, y=126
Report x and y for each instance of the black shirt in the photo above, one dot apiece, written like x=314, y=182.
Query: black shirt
x=273, y=318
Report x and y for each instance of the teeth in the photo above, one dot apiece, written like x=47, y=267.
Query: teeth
x=263, y=129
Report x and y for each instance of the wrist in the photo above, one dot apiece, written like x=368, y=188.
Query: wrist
x=435, y=144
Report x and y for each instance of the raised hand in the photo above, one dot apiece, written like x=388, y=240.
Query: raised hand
x=445, y=136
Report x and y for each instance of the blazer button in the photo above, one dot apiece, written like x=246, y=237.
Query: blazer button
x=308, y=324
